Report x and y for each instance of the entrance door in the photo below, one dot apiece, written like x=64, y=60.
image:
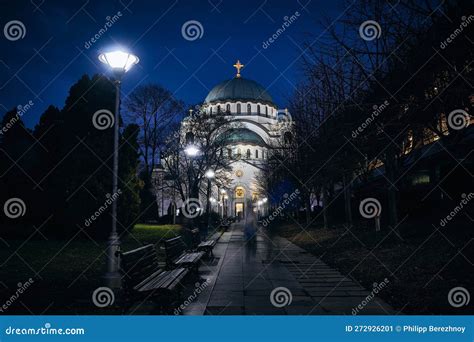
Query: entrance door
x=239, y=210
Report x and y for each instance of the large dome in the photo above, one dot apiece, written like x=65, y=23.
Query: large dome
x=238, y=89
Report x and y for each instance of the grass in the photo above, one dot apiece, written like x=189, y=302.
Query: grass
x=63, y=271
x=421, y=268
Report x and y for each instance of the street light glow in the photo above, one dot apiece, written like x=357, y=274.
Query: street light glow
x=119, y=60
x=210, y=174
x=191, y=151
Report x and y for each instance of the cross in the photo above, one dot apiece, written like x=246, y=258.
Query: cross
x=238, y=66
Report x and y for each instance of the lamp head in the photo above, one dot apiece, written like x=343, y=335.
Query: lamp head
x=118, y=61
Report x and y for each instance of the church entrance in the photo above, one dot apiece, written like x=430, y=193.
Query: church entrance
x=239, y=210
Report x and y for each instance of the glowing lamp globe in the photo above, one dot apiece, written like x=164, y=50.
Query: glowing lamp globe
x=119, y=61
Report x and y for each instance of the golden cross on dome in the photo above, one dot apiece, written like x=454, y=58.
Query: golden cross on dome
x=238, y=66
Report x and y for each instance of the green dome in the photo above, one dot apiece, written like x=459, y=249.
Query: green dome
x=239, y=89
x=243, y=136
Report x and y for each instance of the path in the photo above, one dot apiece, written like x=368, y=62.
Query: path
x=243, y=275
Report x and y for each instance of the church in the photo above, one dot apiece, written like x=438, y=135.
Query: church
x=261, y=127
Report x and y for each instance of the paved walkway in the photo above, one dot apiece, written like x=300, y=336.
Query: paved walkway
x=243, y=275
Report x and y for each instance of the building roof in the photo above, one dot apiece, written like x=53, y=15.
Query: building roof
x=243, y=136
x=239, y=89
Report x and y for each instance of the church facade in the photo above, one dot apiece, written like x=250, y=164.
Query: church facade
x=261, y=127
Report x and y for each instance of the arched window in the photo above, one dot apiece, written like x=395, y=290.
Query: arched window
x=218, y=109
x=229, y=153
x=249, y=109
x=189, y=138
x=210, y=110
x=266, y=111
x=248, y=153
x=258, y=109
x=238, y=108
x=256, y=154
x=227, y=108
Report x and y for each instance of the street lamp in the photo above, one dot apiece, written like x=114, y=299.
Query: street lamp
x=191, y=151
x=119, y=62
x=209, y=175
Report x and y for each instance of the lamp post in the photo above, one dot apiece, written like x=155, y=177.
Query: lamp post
x=119, y=62
x=209, y=175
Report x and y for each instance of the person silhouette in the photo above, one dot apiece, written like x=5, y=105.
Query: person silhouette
x=250, y=223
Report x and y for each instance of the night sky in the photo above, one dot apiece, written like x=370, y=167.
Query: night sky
x=52, y=55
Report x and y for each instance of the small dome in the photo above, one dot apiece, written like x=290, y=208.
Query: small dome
x=238, y=89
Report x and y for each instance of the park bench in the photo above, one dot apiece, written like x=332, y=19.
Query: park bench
x=202, y=246
x=178, y=256
x=225, y=224
x=142, y=276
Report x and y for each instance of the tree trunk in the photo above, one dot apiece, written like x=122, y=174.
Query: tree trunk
x=325, y=200
x=347, y=200
x=390, y=167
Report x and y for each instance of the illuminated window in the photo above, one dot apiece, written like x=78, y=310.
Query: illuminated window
x=239, y=192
